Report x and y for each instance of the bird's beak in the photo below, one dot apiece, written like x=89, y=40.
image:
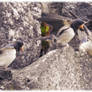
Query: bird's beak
x=84, y=28
x=22, y=48
x=81, y=27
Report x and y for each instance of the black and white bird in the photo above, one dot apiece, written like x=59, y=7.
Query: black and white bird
x=8, y=53
x=86, y=44
x=66, y=33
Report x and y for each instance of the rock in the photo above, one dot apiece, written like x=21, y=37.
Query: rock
x=45, y=8
x=5, y=75
x=60, y=69
x=63, y=9
x=78, y=9
x=52, y=8
x=18, y=21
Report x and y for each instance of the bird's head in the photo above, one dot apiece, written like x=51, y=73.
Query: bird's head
x=78, y=24
x=18, y=45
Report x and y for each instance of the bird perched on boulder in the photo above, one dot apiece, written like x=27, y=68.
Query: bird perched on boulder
x=86, y=43
x=46, y=29
x=66, y=33
x=8, y=53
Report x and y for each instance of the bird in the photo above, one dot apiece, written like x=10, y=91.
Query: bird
x=67, y=33
x=46, y=29
x=8, y=53
x=86, y=43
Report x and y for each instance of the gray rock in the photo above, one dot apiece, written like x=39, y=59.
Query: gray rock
x=82, y=10
x=60, y=69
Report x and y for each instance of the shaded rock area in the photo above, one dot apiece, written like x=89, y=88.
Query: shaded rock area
x=60, y=69
x=82, y=10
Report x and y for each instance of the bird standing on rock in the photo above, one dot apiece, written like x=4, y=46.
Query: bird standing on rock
x=8, y=53
x=45, y=31
x=86, y=43
x=66, y=33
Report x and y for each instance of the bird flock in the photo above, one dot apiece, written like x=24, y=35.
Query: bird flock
x=63, y=37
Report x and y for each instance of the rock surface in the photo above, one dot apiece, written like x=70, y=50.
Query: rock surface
x=60, y=69
x=82, y=10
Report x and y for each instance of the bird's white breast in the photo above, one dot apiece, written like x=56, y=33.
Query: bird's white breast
x=7, y=57
x=86, y=47
x=66, y=36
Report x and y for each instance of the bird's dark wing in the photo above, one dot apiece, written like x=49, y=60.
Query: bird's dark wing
x=62, y=30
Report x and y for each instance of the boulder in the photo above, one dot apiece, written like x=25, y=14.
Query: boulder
x=81, y=10
x=60, y=69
